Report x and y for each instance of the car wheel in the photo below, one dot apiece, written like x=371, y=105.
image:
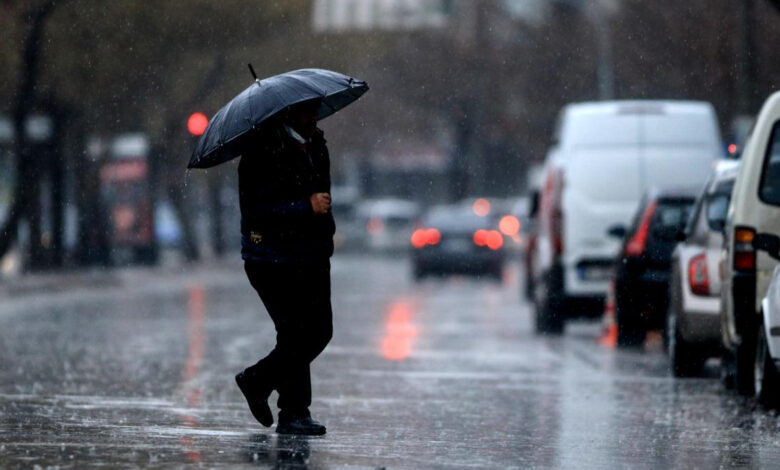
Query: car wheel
x=683, y=357
x=548, y=313
x=765, y=375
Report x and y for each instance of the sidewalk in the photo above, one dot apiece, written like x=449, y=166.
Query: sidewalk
x=210, y=271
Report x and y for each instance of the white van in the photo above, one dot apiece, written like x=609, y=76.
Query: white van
x=754, y=214
x=607, y=155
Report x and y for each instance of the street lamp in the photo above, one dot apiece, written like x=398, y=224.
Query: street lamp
x=595, y=13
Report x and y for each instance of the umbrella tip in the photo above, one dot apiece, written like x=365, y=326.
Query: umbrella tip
x=251, y=69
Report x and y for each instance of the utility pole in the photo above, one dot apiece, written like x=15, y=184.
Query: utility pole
x=604, y=69
x=597, y=17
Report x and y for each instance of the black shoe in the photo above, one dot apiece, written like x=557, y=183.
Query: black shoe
x=257, y=397
x=301, y=426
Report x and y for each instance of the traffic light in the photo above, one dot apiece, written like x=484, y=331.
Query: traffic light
x=197, y=124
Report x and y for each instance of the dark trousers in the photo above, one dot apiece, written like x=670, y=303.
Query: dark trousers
x=297, y=297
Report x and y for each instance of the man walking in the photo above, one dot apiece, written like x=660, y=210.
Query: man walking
x=286, y=243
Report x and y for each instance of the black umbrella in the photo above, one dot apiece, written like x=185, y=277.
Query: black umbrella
x=234, y=122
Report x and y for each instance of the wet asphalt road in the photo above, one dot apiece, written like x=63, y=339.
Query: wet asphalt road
x=138, y=372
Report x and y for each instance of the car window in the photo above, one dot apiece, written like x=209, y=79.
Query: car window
x=769, y=189
x=669, y=218
x=717, y=206
x=456, y=220
x=671, y=215
x=693, y=228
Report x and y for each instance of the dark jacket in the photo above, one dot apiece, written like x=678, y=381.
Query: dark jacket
x=275, y=181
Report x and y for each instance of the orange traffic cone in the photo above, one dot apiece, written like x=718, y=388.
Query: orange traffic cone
x=609, y=332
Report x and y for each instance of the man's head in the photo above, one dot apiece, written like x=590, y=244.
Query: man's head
x=303, y=117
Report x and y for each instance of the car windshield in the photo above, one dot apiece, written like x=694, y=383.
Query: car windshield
x=770, y=178
x=455, y=219
x=718, y=203
x=669, y=218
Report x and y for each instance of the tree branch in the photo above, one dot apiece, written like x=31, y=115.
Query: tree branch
x=25, y=100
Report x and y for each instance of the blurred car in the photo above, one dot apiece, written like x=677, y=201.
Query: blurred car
x=504, y=213
x=344, y=207
x=754, y=209
x=693, y=318
x=641, y=274
x=605, y=157
x=387, y=223
x=452, y=239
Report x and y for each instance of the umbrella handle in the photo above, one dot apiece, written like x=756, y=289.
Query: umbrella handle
x=251, y=69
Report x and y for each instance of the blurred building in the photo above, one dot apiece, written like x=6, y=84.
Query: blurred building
x=345, y=15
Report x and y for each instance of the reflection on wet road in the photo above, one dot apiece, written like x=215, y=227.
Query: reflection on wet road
x=194, y=355
x=444, y=374
x=399, y=332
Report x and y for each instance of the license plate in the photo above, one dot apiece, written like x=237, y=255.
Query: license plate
x=595, y=273
x=457, y=246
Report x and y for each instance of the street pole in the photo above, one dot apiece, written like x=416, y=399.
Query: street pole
x=604, y=70
x=594, y=13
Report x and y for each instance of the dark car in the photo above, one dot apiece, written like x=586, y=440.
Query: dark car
x=642, y=270
x=453, y=239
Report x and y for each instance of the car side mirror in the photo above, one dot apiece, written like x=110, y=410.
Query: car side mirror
x=534, y=205
x=769, y=243
x=617, y=231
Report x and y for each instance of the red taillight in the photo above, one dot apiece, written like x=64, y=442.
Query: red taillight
x=489, y=238
x=698, y=276
x=495, y=240
x=481, y=207
x=636, y=245
x=557, y=232
x=418, y=238
x=509, y=225
x=425, y=236
x=480, y=237
x=432, y=236
x=556, y=210
x=744, y=253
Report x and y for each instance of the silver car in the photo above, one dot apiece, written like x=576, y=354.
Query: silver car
x=693, y=321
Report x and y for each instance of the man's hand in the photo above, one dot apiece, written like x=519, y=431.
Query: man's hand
x=320, y=202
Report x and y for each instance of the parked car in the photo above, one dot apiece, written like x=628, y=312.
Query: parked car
x=754, y=208
x=387, y=223
x=452, y=239
x=766, y=377
x=641, y=279
x=693, y=317
x=344, y=205
x=604, y=158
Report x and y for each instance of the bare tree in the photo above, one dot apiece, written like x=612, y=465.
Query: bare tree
x=25, y=100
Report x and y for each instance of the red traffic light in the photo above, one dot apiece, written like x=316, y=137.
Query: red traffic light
x=197, y=123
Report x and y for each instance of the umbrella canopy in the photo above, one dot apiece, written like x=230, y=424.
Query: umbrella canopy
x=264, y=98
